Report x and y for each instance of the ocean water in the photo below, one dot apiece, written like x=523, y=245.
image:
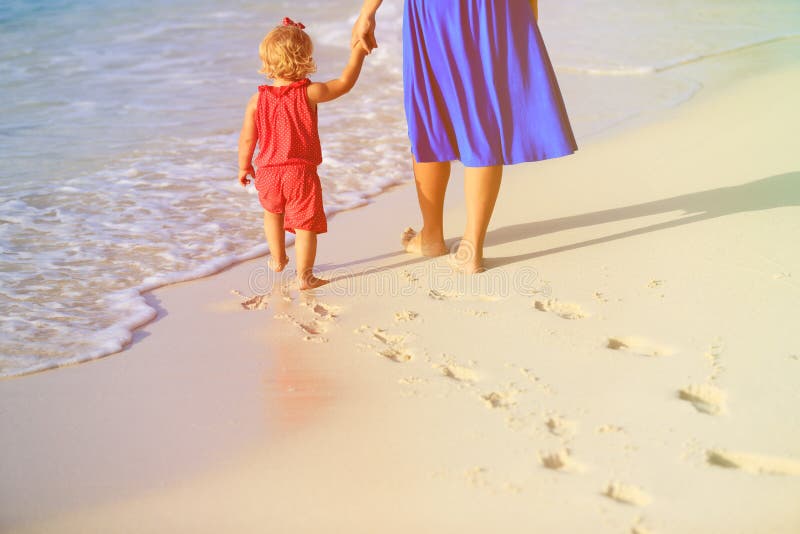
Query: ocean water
x=120, y=122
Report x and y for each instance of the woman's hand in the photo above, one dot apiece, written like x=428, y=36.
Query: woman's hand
x=243, y=173
x=364, y=33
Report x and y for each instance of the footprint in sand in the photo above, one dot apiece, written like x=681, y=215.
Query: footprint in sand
x=454, y=371
x=627, y=493
x=704, y=397
x=565, y=310
x=323, y=312
x=392, y=346
x=255, y=302
x=638, y=346
x=753, y=463
x=405, y=316
x=439, y=295
x=313, y=329
x=558, y=426
x=497, y=399
x=560, y=461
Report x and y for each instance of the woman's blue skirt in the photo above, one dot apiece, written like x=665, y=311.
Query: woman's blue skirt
x=479, y=85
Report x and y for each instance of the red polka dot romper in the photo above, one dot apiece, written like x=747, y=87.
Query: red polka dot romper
x=289, y=153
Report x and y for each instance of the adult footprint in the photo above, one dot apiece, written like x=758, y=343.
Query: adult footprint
x=753, y=463
x=565, y=310
x=627, y=493
x=704, y=397
x=392, y=346
x=636, y=345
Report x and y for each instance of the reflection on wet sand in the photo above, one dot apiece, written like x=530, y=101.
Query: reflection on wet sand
x=295, y=392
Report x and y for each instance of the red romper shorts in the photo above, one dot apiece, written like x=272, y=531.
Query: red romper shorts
x=296, y=192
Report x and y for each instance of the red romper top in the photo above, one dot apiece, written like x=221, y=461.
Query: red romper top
x=289, y=152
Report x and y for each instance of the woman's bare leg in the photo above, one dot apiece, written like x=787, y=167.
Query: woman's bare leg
x=276, y=238
x=481, y=187
x=431, y=180
x=305, y=246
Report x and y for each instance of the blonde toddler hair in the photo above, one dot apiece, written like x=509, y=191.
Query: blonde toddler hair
x=286, y=53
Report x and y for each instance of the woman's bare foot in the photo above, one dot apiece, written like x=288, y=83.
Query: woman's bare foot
x=310, y=282
x=277, y=266
x=464, y=260
x=412, y=243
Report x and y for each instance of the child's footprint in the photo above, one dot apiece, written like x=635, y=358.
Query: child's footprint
x=312, y=328
x=392, y=346
x=457, y=372
x=255, y=302
x=560, y=461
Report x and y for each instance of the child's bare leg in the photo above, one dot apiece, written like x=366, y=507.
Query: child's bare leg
x=276, y=238
x=431, y=180
x=305, y=246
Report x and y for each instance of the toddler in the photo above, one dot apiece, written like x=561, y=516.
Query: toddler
x=282, y=120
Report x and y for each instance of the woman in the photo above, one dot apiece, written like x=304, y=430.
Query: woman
x=479, y=88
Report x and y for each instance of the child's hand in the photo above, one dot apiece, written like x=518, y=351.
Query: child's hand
x=359, y=50
x=243, y=173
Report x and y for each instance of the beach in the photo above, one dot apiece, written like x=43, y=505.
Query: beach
x=628, y=363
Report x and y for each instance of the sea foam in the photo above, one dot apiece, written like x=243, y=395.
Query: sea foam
x=120, y=127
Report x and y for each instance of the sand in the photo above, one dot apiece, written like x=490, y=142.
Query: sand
x=629, y=363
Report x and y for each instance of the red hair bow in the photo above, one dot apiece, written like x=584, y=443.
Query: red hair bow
x=289, y=22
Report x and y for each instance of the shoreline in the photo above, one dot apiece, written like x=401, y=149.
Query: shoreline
x=222, y=417
x=144, y=314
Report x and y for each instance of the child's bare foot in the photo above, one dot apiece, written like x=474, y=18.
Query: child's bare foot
x=310, y=282
x=464, y=260
x=412, y=243
x=277, y=265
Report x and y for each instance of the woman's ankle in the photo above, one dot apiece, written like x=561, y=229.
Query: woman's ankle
x=467, y=253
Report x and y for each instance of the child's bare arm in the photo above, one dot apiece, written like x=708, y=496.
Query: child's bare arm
x=325, y=92
x=247, y=142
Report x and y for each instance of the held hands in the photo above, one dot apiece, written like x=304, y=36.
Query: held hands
x=243, y=173
x=363, y=35
x=359, y=50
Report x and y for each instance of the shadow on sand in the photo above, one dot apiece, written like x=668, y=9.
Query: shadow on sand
x=782, y=190
x=777, y=191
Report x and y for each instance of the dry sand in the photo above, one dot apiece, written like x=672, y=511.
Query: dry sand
x=630, y=362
